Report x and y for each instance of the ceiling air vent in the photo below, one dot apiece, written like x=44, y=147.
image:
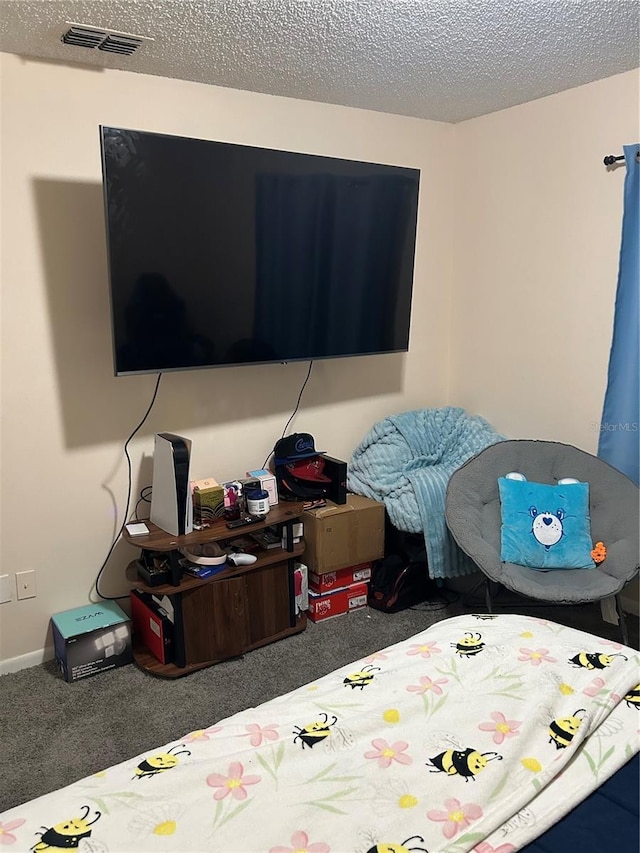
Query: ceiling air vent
x=82, y=37
x=123, y=44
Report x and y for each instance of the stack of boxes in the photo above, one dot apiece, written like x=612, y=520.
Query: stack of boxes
x=341, y=543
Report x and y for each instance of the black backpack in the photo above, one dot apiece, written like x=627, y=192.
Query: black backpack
x=401, y=578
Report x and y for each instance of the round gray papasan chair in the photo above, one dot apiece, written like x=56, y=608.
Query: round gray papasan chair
x=474, y=520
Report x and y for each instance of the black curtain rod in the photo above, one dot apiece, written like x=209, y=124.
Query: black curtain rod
x=610, y=159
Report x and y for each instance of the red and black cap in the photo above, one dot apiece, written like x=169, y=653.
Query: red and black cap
x=309, y=470
x=296, y=490
x=300, y=445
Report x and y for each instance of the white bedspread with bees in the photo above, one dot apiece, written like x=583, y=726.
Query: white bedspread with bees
x=476, y=734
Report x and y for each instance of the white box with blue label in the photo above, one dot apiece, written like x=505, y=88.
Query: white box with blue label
x=91, y=639
x=268, y=483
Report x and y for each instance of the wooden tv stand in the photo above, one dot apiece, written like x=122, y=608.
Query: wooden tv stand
x=232, y=612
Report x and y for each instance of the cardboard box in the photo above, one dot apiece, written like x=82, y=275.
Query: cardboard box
x=91, y=639
x=343, y=577
x=340, y=536
x=268, y=483
x=208, y=501
x=329, y=604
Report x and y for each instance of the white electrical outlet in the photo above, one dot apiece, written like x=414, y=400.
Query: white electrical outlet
x=5, y=589
x=26, y=584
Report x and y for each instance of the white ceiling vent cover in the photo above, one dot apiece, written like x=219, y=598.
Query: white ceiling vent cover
x=123, y=44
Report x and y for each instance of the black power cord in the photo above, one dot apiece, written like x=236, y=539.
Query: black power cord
x=126, y=511
x=144, y=497
x=304, y=385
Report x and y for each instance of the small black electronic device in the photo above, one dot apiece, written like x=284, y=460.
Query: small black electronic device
x=246, y=519
x=250, y=484
x=153, y=577
x=153, y=568
x=336, y=470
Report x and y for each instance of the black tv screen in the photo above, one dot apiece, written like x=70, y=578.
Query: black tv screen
x=223, y=254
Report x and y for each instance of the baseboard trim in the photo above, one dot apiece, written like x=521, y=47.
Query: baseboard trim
x=25, y=661
x=629, y=604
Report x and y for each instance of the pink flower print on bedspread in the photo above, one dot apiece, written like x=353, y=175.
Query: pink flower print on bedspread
x=300, y=844
x=202, y=734
x=485, y=847
x=233, y=783
x=6, y=831
x=501, y=727
x=425, y=650
x=536, y=656
x=374, y=656
x=257, y=734
x=427, y=684
x=456, y=817
x=594, y=687
x=385, y=754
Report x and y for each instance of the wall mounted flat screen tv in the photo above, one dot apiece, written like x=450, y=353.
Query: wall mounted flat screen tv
x=223, y=254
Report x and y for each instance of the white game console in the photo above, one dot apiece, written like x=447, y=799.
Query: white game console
x=171, y=504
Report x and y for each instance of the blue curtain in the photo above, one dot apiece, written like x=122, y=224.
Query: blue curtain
x=619, y=442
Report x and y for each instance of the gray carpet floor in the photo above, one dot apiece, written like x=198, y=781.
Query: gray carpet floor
x=53, y=733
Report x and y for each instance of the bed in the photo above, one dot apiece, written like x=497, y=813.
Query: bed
x=479, y=733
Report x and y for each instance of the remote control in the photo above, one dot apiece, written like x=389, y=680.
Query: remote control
x=241, y=522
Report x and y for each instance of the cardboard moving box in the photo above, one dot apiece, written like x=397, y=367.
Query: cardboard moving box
x=340, y=536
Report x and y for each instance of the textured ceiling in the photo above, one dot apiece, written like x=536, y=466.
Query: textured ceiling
x=446, y=60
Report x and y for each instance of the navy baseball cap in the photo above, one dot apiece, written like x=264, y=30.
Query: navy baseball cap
x=300, y=445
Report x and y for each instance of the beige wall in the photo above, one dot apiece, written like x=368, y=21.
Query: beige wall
x=537, y=236
x=65, y=418
x=511, y=319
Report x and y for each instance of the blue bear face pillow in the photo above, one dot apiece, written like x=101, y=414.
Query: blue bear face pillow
x=545, y=527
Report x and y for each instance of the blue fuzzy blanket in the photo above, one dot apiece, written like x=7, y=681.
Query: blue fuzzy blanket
x=405, y=461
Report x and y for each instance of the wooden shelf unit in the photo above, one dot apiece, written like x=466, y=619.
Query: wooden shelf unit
x=232, y=612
